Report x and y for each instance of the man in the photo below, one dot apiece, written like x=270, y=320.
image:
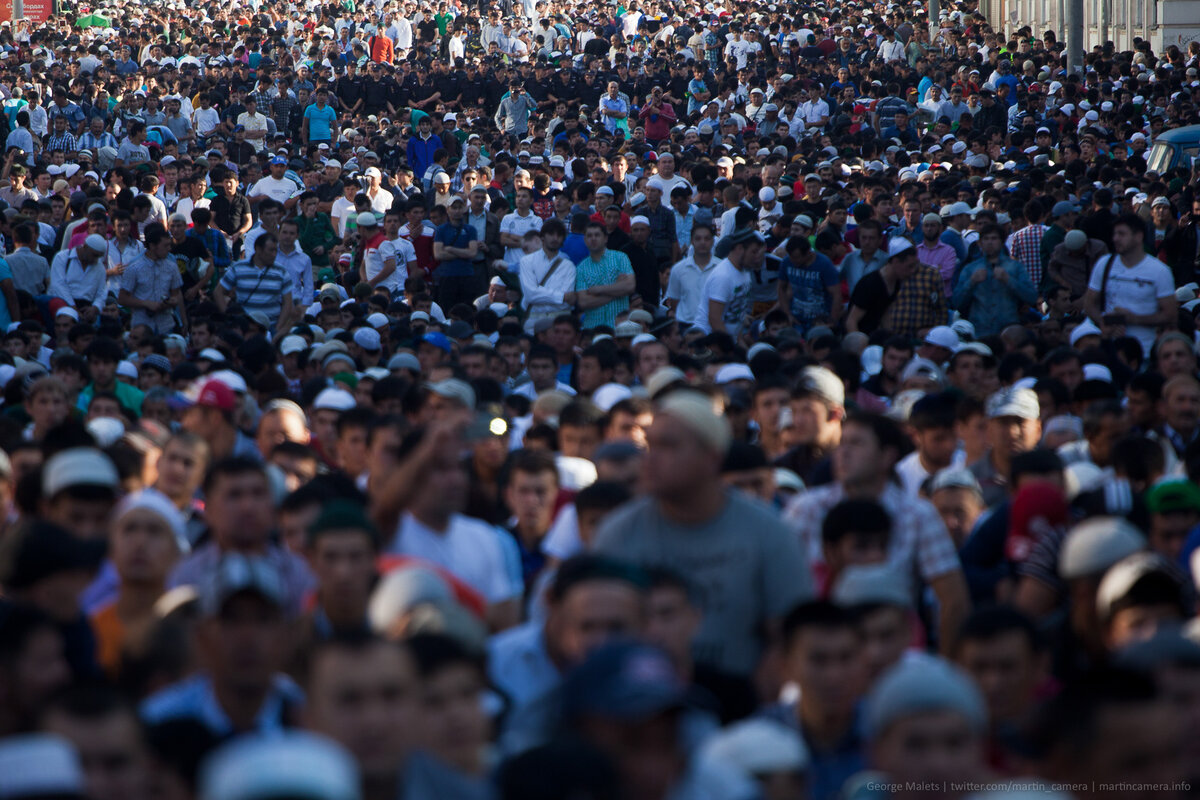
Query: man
x=1025, y=245
x=863, y=466
x=812, y=289
x=687, y=277
x=1062, y=219
x=823, y=656
x=529, y=492
x=512, y=115
x=435, y=529
x=341, y=545
x=152, y=285
x=548, y=277
x=1181, y=413
x=690, y=523
x=230, y=209
x=259, y=284
x=422, y=148
x=1002, y=650
x=931, y=426
x=295, y=262
x=1013, y=427
x=934, y=252
x=364, y=693
x=926, y=700
x=603, y=281
x=875, y=293
x=727, y=292
x=276, y=187
x=868, y=258
x=487, y=230
x=455, y=246
x=992, y=290
x=78, y=278
x=516, y=224
x=104, y=729
x=244, y=636
x=591, y=601
x=1131, y=288
x=818, y=407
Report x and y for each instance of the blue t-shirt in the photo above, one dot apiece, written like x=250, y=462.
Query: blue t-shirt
x=574, y=248
x=320, y=122
x=5, y=274
x=452, y=236
x=810, y=288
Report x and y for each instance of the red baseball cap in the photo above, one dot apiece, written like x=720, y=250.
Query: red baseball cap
x=212, y=394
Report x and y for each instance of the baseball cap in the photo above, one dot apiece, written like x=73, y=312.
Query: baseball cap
x=78, y=466
x=39, y=765
x=438, y=340
x=1063, y=207
x=292, y=344
x=211, y=394
x=1173, y=495
x=279, y=160
x=236, y=573
x=1095, y=544
x=919, y=686
x=664, y=377
x=624, y=680
x=824, y=384
x=283, y=764
x=942, y=336
x=1013, y=402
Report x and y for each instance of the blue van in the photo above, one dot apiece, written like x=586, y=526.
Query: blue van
x=1174, y=148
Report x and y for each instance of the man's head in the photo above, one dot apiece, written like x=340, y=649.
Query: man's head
x=106, y=732
x=822, y=652
x=239, y=507
x=1002, y=651
x=869, y=448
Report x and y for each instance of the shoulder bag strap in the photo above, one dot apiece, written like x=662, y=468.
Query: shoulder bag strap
x=551, y=271
x=1104, y=281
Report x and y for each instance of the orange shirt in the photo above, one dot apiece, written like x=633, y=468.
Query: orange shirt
x=110, y=636
x=381, y=49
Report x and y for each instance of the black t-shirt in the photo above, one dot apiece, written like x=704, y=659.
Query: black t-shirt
x=872, y=296
x=427, y=30
x=228, y=212
x=328, y=192
x=188, y=254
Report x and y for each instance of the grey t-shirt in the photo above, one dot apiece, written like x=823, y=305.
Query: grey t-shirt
x=744, y=564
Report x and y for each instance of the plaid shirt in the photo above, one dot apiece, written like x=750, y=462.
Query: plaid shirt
x=918, y=543
x=281, y=111
x=61, y=141
x=920, y=303
x=1026, y=246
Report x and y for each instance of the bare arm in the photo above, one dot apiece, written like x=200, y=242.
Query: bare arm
x=716, y=315
x=954, y=603
x=854, y=318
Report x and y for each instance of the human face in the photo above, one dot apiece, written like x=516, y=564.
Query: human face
x=143, y=548
x=344, y=562
x=930, y=746
x=180, y=470
x=592, y=613
x=1125, y=240
x=959, y=509
x=110, y=748
x=245, y=643
x=530, y=498
x=671, y=623
x=676, y=465
x=454, y=725
x=886, y=633
x=828, y=665
x=595, y=240
x=1012, y=435
x=1181, y=406
x=48, y=409
x=814, y=422
x=869, y=239
x=240, y=511
x=367, y=701
x=1175, y=358
x=858, y=458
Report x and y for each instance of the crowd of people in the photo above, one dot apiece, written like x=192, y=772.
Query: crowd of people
x=566, y=400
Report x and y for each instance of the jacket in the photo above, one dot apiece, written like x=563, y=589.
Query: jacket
x=990, y=304
x=419, y=152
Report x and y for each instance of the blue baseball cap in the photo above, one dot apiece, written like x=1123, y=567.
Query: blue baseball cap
x=623, y=680
x=279, y=160
x=438, y=339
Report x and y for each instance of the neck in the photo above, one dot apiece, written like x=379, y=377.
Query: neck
x=870, y=487
x=241, y=704
x=434, y=519
x=136, y=600
x=823, y=727
x=699, y=505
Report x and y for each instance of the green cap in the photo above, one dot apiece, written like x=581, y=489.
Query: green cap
x=1173, y=495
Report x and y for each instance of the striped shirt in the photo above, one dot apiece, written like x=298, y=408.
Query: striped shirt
x=590, y=272
x=258, y=288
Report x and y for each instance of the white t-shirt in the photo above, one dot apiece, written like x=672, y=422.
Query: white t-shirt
x=685, y=287
x=279, y=189
x=912, y=475
x=403, y=252
x=517, y=225
x=470, y=549
x=341, y=211
x=1137, y=288
x=729, y=285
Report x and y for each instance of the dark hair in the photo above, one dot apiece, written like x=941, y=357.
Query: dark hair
x=856, y=516
x=816, y=614
x=229, y=467
x=887, y=433
x=932, y=412
x=991, y=622
x=1131, y=221
x=584, y=568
